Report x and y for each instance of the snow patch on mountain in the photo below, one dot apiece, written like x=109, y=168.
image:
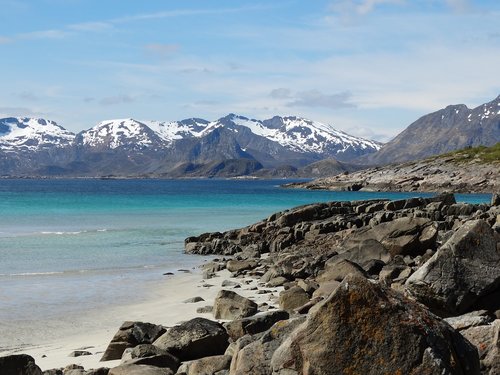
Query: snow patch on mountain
x=117, y=133
x=174, y=130
x=31, y=134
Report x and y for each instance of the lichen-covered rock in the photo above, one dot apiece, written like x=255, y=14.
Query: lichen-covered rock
x=230, y=305
x=364, y=328
x=465, y=269
x=196, y=338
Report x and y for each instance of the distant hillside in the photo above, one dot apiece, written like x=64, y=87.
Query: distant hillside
x=452, y=128
x=469, y=170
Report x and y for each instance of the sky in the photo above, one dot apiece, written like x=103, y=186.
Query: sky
x=367, y=67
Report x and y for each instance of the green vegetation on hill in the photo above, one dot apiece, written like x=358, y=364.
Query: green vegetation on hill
x=481, y=154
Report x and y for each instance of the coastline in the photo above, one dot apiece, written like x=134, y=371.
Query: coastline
x=164, y=305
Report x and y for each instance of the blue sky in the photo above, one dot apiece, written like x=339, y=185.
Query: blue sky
x=368, y=67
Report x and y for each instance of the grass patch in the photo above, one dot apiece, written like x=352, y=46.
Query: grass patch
x=481, y=154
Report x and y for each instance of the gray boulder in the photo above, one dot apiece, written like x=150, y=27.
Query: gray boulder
x=194, y=339
x=255, y=357
x=206, y=366
x=364, y=328
x=139, y=370
x=19, y=364
x=129, y=335
x=230, y=305
x=293, y=298
x=465, y=269
x=403, y=236
x=255, y=324
x=148, y=354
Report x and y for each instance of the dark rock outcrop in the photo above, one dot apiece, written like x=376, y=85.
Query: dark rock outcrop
x=461, y=272
x=129, y=335
x=194, y=339
x=19, y=364
x=365, y=328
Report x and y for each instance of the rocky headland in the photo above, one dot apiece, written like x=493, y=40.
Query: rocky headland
x=475, y=170
x=367, y=287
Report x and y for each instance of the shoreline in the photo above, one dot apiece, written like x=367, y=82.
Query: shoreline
x=165, y=306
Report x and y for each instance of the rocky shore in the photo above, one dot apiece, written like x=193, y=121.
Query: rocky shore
x=459, y=172
x=367, y=287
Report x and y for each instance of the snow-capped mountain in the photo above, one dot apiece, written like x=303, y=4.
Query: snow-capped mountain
x=298, y=135
x=32, y=134
x=128, y=146
x=123, y=133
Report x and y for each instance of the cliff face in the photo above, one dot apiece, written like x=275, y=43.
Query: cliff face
x=448, y=129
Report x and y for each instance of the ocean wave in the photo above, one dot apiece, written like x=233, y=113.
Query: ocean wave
x=33, y=273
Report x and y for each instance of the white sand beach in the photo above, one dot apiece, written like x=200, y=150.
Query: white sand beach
x=165, y=305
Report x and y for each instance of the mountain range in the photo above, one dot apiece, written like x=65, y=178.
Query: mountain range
x=230, y=146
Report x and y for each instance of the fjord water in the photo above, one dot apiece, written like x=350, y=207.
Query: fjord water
x=70, y=246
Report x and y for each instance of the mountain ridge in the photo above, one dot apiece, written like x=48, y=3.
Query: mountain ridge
x=129, y=147
x=448, y=129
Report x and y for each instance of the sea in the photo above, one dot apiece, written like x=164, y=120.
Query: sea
x=77, y=245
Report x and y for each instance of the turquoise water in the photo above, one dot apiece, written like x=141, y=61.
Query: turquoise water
x=70, y=245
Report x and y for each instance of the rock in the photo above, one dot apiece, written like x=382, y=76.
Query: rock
x=463, y=270
x=473, y=319
x=229, y=305
x=255, y=357
x=206, y=366
x=403, y=236
x=495, y=199
x=277, y=281
x=487, y=341
x=364, y=328
x=240, y=265
x=336, y=269
x=194, y=339
x=98, y=371
x=19, y=364
x=227, y=283
x=205, y=310
x=129, y=335
x=139, y=370
x=194, y=300
x=255, y=324
x=55, y=371
x=148, y=354
x=78, y=353
x=293, y=298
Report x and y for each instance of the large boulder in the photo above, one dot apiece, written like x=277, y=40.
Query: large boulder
x=148, y=354
x=403, y=236
x=254, y=357
x=486, y=339
x=465, y=269
x=19, y=364
x=230, y=305
x=365, y=328
x=206, y=366
x=129, y=335
x=254, y=324
x=196, y=338
x=293, y=298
